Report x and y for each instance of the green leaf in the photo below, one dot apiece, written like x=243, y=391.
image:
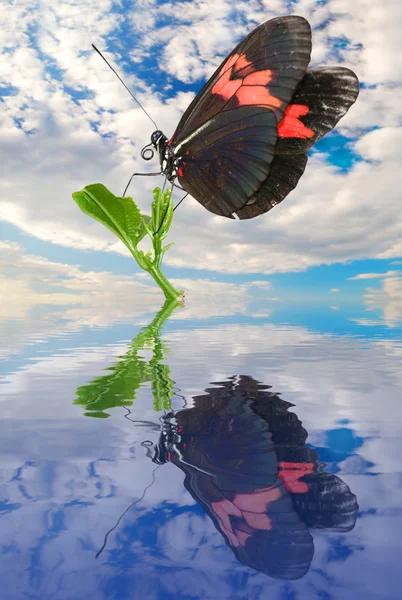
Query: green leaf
x=145, y=221
x=167, y=247
x=121, y=382
x=97, y=414
x=120, y=215
x=119, y=388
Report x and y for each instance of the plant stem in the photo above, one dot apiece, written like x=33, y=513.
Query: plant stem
x=154, y=268
x=170, y=292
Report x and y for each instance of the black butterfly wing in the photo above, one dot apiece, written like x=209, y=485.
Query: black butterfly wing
x=230, y=159
x=228, y=456
x=320, y=100
x=327, y=502
x=284, y=175
x=226, y=138
x=261, y=528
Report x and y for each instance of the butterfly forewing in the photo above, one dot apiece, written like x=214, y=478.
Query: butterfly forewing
x=272, y=59
x=227, y=163
x=226, y=139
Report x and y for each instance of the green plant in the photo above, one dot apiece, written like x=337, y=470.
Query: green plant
x=119, y=387
x=123, y=217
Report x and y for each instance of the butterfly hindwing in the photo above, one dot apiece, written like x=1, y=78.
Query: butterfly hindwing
x=227, y=136
x=284, y=175
x=323, y=96
x=321, y=99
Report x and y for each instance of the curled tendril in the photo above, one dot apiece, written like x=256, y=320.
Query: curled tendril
x=147, y=153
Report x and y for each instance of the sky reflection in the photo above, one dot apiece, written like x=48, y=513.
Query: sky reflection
x=67, y=478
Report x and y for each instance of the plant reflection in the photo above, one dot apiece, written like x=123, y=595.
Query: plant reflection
x=119, y=388
x=247, y=464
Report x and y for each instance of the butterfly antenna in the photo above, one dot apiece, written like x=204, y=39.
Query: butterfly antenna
x=129, y=91
x=125, y=512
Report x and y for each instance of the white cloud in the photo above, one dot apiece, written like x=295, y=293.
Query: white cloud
x=332, y=216
x=260, y=284
x=334, y=290
x=376, y=28
x=367, y=322
x=375, y=275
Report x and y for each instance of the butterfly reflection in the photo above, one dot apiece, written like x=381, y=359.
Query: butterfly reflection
x=246, y=463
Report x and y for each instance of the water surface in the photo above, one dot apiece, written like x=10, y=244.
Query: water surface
x=184, y=457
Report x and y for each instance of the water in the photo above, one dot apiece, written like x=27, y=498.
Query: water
x=183, y=457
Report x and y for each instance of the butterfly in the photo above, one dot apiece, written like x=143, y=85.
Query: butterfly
x=246, y=462
x=241, y=146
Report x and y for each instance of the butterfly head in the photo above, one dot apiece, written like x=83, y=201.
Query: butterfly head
x=158, y=142
x=155, y=137
x=168, y=439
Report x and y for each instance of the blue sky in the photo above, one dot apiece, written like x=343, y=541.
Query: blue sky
x=66, y=122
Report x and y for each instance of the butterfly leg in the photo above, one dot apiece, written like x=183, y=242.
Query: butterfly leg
x=141, y=175
x=178, y=187
x=178, y=204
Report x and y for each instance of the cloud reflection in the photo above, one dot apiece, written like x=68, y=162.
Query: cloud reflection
x=387, y=299
x=69, y=299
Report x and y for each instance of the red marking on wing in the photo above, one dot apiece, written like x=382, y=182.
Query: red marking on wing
x=291, y=126
x=170, y=142
x=169, y=456
x=257, y=501
x=293, y=465
x=258, y=520
x=256, y=95
x=252, y=508
x=180, y=172
x=250, y=89
x=229, y=63
x=225, y=86
x=258, y=78
x=290, y=473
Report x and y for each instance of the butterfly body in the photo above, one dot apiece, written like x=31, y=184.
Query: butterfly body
x=241, y=146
